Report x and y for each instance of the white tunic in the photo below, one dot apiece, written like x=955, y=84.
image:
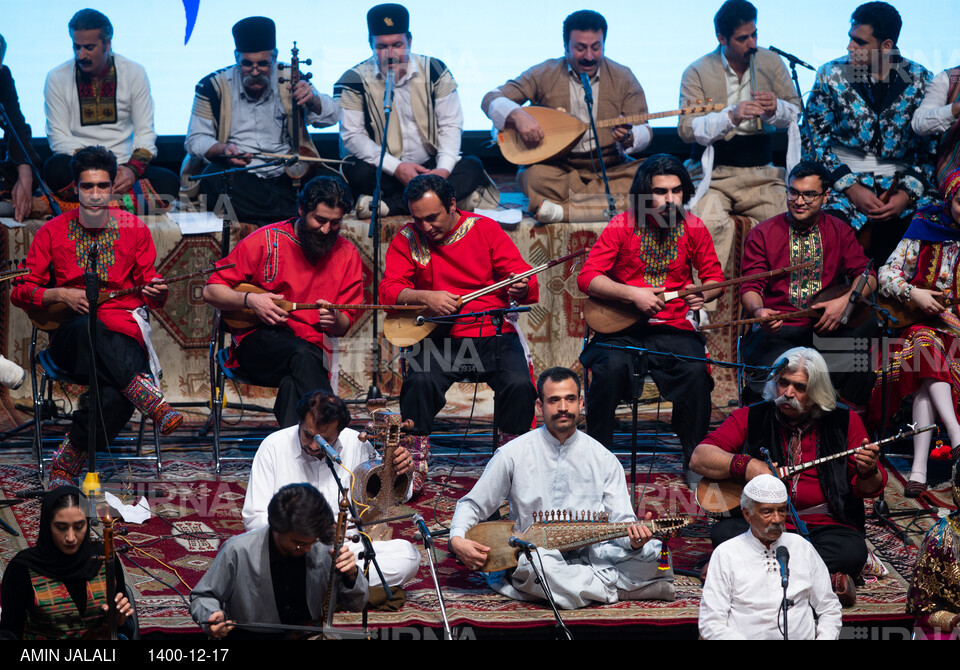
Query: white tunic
x=742, y=595
x=536, y=472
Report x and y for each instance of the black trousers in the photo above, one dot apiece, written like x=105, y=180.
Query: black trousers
x=119, y=359
x=467, y=176
x=274, y=356
x=686, y=384
x=437, y=362
x=842, y=548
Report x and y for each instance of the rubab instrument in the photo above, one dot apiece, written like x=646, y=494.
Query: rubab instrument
x=376, y=482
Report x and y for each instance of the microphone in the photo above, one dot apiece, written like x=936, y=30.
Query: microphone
x=856, y=294
x=388, y=90
x=29, y=493
x=783, y=557
x=329, y=451
x=422, y=525
x=517, y=543
x=587, y=89
x=778, y=367
x=793, y=59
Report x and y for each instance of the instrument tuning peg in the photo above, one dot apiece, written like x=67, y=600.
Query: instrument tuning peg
x=407, y=425
x=369, y=427
x=709, y=100
x=308, y=61
x=281, y=66
x=375, y=403
x=363, y=437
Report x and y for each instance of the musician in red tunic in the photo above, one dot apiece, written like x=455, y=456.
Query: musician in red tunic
x=799, y=422
x=441, y=256
x=57, y=259
x=302, y=260
x=629, y=258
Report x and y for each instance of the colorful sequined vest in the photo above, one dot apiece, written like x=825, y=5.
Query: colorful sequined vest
x=54, y=615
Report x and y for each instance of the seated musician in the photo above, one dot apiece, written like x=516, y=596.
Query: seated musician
x=442, y=255
x=291, y=455
x=423, y=136
x=654, y=244
x=303, y=260
x=570, y=188
x=242, y=110
x=800, y=421
x=278, y=574
x=557, y=467
x=871, y=93
x=126, y=365
x=16, y=177
x=804, y=233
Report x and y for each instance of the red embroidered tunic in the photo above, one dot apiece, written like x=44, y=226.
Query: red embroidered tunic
x=272, y=259
x=649, y=256
x=474, y=255
x=58, y=258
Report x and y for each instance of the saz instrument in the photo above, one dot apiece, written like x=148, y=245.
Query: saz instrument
x=858, y=317
x=50, y=318
x=612, y=316
x=405, y=331
x=560, y=530
x=562, y=131
x=380, y=487
x=15, y=272
x=245, y=317
x=718, y=497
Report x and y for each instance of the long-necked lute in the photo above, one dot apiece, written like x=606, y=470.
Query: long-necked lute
x=405, y=331
x=720, y=496
x=377, y=482
x=557, y=529
x=50, y=317
x=825, y=295
x=612, y=316
x=245, y=317
x=562, y=131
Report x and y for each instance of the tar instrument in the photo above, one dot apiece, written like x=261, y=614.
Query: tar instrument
x=379, y=487
x=16, y=270
x=562, y=131
x=245, y=317
x=830, y=293
x=718, y=497
x=612, y=316
x=560, y=530
x=758, y=122
x=405, y=331
x=297, y=170
x=50, y=317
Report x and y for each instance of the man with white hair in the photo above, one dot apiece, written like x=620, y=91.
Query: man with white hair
x=800, y=421
x=742, y=595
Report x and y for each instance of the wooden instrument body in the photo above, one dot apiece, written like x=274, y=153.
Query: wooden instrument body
x=562, y=535
x=299, y=170
x=377, y=481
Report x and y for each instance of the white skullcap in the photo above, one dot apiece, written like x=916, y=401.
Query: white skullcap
x=766, y=489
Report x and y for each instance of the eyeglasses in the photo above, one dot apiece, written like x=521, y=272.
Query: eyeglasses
x=806, y=196
x=260, y=64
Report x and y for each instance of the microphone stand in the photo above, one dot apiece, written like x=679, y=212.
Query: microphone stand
x=376, y=231
x=560, y=630
x=432, y=561
x=794, y=62
x=91, y=484
x=8, y=124
x=611, y=210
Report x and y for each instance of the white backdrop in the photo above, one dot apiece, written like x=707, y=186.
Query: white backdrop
x=483, y=43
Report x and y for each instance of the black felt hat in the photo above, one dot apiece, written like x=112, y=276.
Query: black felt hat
x=388, y=19
x=255, y=33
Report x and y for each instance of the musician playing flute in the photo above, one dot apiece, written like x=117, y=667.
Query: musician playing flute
x=442, y=255
x=733, y=148
x=800, y=421
x=127, y=367
x=302, y=260
x=655, y=244
x=805, y=233
x=243, y=110
x=571, y=188
x=557, y=467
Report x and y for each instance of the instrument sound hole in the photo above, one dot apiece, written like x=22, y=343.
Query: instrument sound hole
x=373, y=487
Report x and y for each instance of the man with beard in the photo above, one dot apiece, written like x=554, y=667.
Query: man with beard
x=804, y=233
x=302, y=260
x=570, y=188
x=559, y=468
x=735, y=145
x=652, y=245
x=800, y=421
x=244, y=110
x=742, y=594
x=101, y=98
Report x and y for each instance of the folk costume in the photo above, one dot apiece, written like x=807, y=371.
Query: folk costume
x=127, y=367
x=12, y=155
x=645, y=254
x=536, y=472
x=574, y=181
x=935, y=116
x=294, y=356
x=50, y=595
